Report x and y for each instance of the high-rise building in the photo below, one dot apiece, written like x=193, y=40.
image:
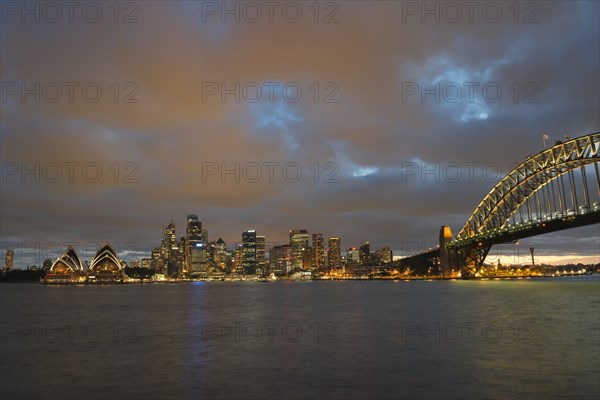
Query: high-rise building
x=260, y=255
x=199, y=260
x=274, y=255
x=169, y=241
x=237, y=258
x=334, y=254
x=179, y=258
x=280, y=259
x=172, y=261
x=352, y=257
x=386, y=255
x=364, y=254
x=249, y=252
x=170, y=237
x=318, y=251
x=193, y=238
x=9, y=260
x=299, y=249
x=220, y=254
x=157, y=260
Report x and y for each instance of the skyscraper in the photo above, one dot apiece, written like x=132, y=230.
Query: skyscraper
x=334, y=254
x=280, y=257
x=194, y=238
x=199, y=260
x=169, y=249
x=317, y=251
x=249, y=252
x=364, y=254
x=220, y=254
x=260, y=255
x=299, y=248
x=237, y=258
x=157, y=260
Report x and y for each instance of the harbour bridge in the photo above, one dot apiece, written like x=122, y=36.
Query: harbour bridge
x=556, y=189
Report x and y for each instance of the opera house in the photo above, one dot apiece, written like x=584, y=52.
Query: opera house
x=104, y=268
x=66, y=269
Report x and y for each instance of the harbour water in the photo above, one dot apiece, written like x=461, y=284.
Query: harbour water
x=528, y=338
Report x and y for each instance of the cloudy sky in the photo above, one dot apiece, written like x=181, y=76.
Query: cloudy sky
x=374, y=121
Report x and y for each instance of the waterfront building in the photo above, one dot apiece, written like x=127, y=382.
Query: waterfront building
x=68, y=268
x=105, y=266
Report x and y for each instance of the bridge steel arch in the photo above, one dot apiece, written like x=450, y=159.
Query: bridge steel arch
x=531, y=196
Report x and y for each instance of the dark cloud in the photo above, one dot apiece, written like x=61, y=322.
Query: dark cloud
x=371, y=134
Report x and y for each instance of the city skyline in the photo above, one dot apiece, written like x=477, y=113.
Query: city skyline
x=385, y=153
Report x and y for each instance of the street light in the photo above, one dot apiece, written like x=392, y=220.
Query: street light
x=532, y=249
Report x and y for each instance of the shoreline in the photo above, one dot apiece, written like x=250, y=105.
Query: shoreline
x=338, y=279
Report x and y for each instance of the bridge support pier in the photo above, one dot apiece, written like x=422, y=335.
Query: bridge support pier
x=471, y=258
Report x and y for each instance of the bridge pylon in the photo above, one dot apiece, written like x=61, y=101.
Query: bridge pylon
x=448, y=257
x=466, y=259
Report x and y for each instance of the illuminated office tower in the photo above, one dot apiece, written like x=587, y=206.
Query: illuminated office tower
x=352, y=255
x=157, y=260
x=334, y=255
x=274, y=255
x=199, y=260
x=287, y=258
x=169, y=241
x=280, y=257
x=249, y=252
x=260, y=255
x=194, y=242
x=318, y=251
x=169, y=249
x=180, y=257
x=220, y=254
x=176, y=260
x=237, y=259
x=299, y=248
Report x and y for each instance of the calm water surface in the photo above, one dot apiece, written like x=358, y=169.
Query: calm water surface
x=537, y=338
